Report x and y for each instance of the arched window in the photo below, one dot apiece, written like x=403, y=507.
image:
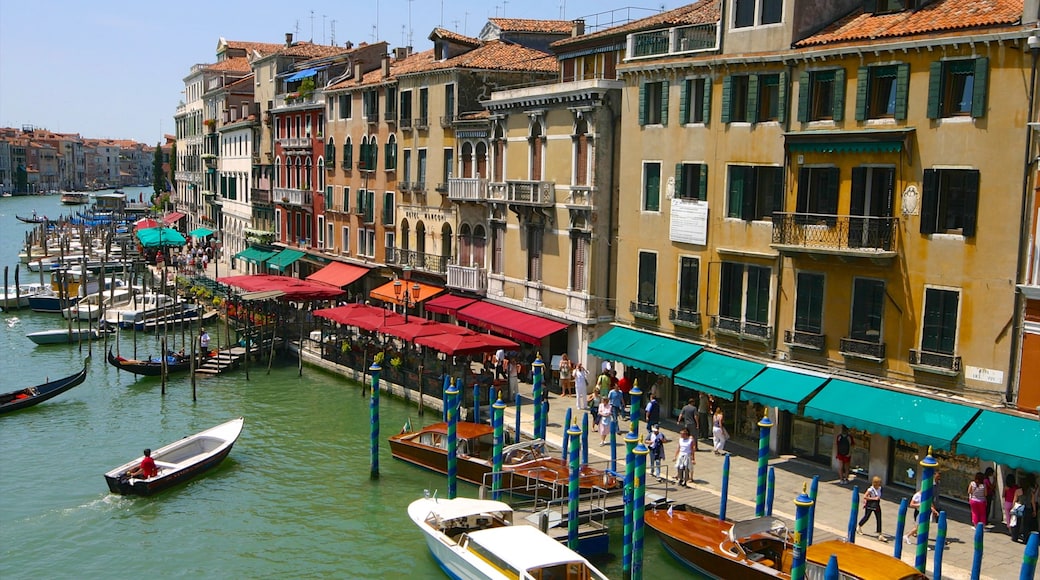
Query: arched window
x=330, y=152
x=446, y=244
x=348, y=154
x=467, y=160
x=278, y=173
x=500, y=154
x=308, y=175
x=481, y=160
x=321, y=174
x=479, y=245
x=420, y=237
x=391, y=153
x=581, y=153
x=465, y=246
x=405, y=231
x=535, y=155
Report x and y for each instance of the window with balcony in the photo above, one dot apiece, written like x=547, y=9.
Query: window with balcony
x=872, y=196
x=449, y=164
x=744, y=295
x=424, y=107
x=406, y=173
x=391, y=153
x=535, y=144
x=391, y=103
x=687, y=310
x=645, y=305
x=755, y=191
x=535, y=234
x=346, y=240
x=818, y=194
x=808, y=305
x=579, y=260
x=957, y=88
x=821, y=95
x=388, y=208
x=406, y=108
x=868, y=309
x=881, y=91
x=939, y=327
x=651, y=186
x=330, y=152
x=747, y=13
x=370, y=99
x=653, y=103
x=421, y=170
x=949, y=201
x=344, y=106
x=691, y=181
x=695, y=101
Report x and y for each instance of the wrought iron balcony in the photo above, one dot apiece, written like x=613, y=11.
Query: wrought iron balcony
x=805, y=340
x=864, y=349
x=845, y=235
x=405, y=122
x=301, y=197
x=535, y=193
x=447, y=121
x=935, y=362
x=682, y=39
x=260, y=196
x=417, y=260
x=467, y=188
x=741, y=329
x=422, y=123
x=644, y=310
x=390, y=116
x=684, y=317
x=469, y=278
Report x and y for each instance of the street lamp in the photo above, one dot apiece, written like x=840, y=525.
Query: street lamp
x=410, y=296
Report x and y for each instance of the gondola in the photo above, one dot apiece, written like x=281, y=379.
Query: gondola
x=151, y=367
x=28, y=397
x=33, y=220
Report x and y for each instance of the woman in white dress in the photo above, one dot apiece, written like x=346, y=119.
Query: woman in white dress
x=581, y=386
x=684, y=458
x=606, y=414
x=718, y=432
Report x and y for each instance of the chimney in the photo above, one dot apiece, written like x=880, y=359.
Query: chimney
x=402, y=52
x=386, y=66
x=358, y=72
x=348, y=44
x=578, y=27
x=288, y=39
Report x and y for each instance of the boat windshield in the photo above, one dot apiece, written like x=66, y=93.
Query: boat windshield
x=764, y=525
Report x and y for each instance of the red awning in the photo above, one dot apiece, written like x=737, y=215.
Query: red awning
x=363, y=316
x=448, y=304
x=172, y=217
x=145, y=223
x=463, y=344
x=508, y=322
x=338, y=274
x=294, y=288
x=416, y=328
x=386, y=291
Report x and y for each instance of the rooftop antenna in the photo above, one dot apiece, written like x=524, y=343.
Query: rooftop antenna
x=323, y=29
x=312, y=26
x=402, y=35
x=442, y=13
x=375, y=28
x=465, y=22
x=410, y=22
x=332, y=32
x=563, y=9
x=456, y=23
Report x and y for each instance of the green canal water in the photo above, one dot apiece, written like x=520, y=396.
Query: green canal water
x=293, y=500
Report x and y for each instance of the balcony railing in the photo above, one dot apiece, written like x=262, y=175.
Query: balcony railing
x=447, y=121
x=422, y=123
x=296, y=142
x=841, y=234
x=742, y=329
x=682, y=39
x=862, y=349
x=405, y=122
x=467, y=188
x=470, y=278
x=536, y=193
x=687, y=317
x=644, y=310
x=418, y=260
x=806, y=340
x=935, y=362
x=300, y=197
x=580, y=196
x=390, y=116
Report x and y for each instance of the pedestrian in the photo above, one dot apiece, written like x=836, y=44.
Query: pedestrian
x=500, y=357
x=653, y=412
x=688, y=416
x=977, y=499
x=684, y=457
x=605, y=422
x=1028, y=522
x=872, y=505
x=592, y=403
x=655, y=441
x=703, y=417
x=1012, y=493
x=603, y=382
x=718, y=432
x=566, y=382
x=512, y=372
x=581, y=386
x=843, y=451
x=991, y=494
x=617, y=402
x=203, y=342
x=915, y=502
x=624, y=385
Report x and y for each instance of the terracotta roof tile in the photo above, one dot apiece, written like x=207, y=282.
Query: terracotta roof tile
x=454, y=36
x=702, y=12
x=531, y=25
x=498, y=55
x=235, y=64
x=939, y=16
x=310, y=50
x=261, y=47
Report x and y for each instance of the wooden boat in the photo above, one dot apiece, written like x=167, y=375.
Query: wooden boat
x=762, y=548
x=178, y=461
x=151, y=367
x=529, y=468
x=190, y=316
x=75, y=198
x=474, y=538
x=63, y=335
x=34, y=395
x=36, y=219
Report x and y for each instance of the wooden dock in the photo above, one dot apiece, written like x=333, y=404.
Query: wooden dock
x=230, y=358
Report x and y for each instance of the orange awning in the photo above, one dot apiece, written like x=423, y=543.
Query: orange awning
x=386, y=291
x=338, y=274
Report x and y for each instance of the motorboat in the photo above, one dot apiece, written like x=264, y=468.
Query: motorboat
x=140, y=308
x=761, y=547
x=179, y=461
x=475, y=538
x=75, y=198
x=89, y=308
x=63, y=335
x=18, y=297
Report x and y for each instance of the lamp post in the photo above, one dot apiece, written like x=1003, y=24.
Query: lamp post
x=408, y=296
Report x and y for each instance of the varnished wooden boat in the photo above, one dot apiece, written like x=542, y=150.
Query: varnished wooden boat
x=762, y=548
x=179, y=461
x=527, y=467
x=151, y=367
x=30, y=396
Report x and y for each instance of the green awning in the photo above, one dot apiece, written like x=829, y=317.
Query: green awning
x=782, y=389
x=642, y=350
x=718, y=374
x=201, y=232
x=912, y=418
x=1006, y=439
x=160, y=238
x=284, y=259
x=255, y=255
x=851, y=147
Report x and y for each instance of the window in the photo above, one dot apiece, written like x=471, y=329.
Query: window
x=755, y=191
x=535, y=144
x=821, y=95
x=422, y=167
x=651, y=186
x=872, y=196
x=653, y=103
x=744, y=293
x=957, y=88
x=424, y=107
x=366, y=243
x=808, y=308
x=881, y=92
x=695, y=101
x=330, y=153
x=767, y=104
x=449, y=102
x=534, y=252
x=735, y=99
x=348, y=154
x=949, y=201
x=330, y=236
x=391, y=153
x=747, y=12
x=406, y=108
x=818, y=192
x=407, y=174
x=646, y=292
x=689, y=280
x=346, y=240
x=691, y=181
x=939, y=333
x=868, y=303
x=498, y=240
x=391, y=103
x=579, y=260
x=388, y=208
x=743, y=13
x=344, y=106
x=449, y=164
x=346, y=199
x=754, y=98
x=371, y=102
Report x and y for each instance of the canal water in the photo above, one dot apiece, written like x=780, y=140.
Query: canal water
x=294, y=498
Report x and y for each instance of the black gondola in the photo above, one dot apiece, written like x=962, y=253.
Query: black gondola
x=33, y=220
x=30, y=396
x=151, y=367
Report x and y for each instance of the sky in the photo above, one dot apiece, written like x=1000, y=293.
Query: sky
x=115, y=69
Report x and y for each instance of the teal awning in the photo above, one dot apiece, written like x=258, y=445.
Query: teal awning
x=851, y=147
x=717, y=374
x=782, y=389
x=160, y=238
x=642, y=350
x=912, y=418
x=1006, y=439
x=201, y=232
x=283, y=259
x=842, y=141
x=255, y=255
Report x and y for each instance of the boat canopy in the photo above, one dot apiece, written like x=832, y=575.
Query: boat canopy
x=764, y=525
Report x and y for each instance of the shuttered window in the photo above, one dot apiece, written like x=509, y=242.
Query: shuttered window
x=809, y=303
x=579, y=260
x=957, y=88
x=939, y=331
x=950, y=201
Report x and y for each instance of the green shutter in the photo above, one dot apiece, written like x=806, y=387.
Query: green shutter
x=684, y=102
x=642, y=103
x=727, y=87
x=978, y=96
x=862, y=74
x=803, y=96
x=750, y=195
x=708, y=85
x=664, y=103
x=839, y=95
x=934, y=89
x=702, y=182
x=929, y=200
x=736, y=191
x=360, y=200
x=781, y=105
x=752, y=99
x=679, y=193
x=971, y=205
x=830, y=197
x=778, y=189
x=902, y=89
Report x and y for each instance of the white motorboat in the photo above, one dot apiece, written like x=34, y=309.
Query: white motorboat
x=63, y=335
x=90, y=307
x=18, y=297
x=476, y=539
x=140, y=308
